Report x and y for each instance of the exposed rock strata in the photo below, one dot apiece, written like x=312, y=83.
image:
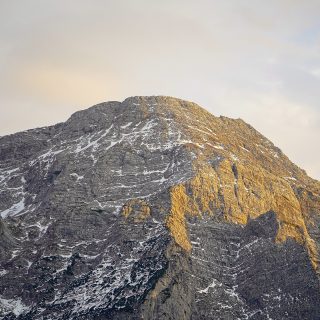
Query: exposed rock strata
x=153, y=208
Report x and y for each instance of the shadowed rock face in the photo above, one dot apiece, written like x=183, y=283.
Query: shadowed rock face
x=155, y=209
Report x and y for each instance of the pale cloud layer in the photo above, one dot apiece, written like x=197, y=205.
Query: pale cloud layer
x=257, y=60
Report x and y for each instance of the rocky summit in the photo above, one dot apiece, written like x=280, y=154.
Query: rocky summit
x=152, y=208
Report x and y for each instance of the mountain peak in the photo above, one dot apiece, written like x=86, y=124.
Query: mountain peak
x=154, y=208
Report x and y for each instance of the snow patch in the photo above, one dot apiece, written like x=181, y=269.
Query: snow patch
x=126, y=125
x=93, y=143
x=234, y=157
x=14, y=209
x=245, y=149
x=291, y=178
x=76, y=176
x=14, y=306
x=206, y=290
x=3, y=272
x=219, y=147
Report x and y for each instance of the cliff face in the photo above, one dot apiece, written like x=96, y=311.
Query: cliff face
x=155, y=209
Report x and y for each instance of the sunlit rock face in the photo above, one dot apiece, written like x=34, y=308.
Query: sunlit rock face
x=155, y=209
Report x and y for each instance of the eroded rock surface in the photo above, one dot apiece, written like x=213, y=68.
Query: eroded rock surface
x=155, y=209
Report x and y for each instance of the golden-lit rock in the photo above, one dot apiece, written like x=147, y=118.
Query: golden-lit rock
x=136, y=210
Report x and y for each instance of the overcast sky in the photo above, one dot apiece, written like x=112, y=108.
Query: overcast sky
x=257, y=60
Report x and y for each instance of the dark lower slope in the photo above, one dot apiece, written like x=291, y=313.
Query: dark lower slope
x=232, y=273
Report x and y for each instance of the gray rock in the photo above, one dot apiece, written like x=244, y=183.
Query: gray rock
x=84, y=233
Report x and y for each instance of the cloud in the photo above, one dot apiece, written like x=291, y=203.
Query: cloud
x=256, y=60
x=51, y=84
x=293, y=127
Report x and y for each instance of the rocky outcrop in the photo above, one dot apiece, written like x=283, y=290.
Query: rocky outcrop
x=153, y=208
